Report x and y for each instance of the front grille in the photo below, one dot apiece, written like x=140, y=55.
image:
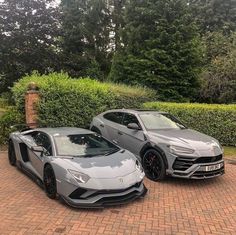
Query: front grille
x=183, y=163
x=120, y=199
x=80, y=191
x=209, y=159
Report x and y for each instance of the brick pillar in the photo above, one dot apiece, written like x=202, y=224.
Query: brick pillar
x=31, y=100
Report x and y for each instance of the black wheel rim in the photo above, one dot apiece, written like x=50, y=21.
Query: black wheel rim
x=152, y=165
x=11, y=154
x=49, y=181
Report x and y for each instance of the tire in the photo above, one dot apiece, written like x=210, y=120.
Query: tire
x=96, y=130
x=11, y=153
x=49, y=181
x=154, y=165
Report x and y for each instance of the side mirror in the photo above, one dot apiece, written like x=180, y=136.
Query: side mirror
x=133, y=126
x=37, y=149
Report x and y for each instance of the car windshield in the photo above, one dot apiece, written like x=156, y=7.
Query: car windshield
x=83, y=145
x=160, y=121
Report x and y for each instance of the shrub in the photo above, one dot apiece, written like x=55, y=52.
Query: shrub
x=3, y=103
x=9, y=118
x=73, y=102
x=218, y=121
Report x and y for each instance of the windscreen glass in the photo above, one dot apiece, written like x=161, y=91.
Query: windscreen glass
x=83, y=145
x=158, y=121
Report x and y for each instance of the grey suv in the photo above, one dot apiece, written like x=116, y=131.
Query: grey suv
x=164, y=145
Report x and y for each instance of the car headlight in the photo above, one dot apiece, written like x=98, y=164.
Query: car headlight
x=139, y=168
x=221, y=148
x=180, y=150
x=79, y=177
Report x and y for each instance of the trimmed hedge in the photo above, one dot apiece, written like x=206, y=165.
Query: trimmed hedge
x=218, y=121
x=74, y=102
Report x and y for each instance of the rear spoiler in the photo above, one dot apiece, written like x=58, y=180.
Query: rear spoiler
x=24, y=126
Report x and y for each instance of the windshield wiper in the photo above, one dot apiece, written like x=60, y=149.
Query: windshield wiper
x=111, y=152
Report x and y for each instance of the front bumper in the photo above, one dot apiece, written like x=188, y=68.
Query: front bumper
x=199, y=168
x=84, y=198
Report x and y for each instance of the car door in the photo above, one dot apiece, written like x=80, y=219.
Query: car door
x=128, y=138
x=37, y=159
x=112, y=123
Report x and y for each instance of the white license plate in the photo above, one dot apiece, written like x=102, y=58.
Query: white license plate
x=213, y=167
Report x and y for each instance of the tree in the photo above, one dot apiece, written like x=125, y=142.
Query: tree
x=86, y=40
x=214, y=15
x=117, y=8
x=29, y=31
x=161, y=49
x=219, y=75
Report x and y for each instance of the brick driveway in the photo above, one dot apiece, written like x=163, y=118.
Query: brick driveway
x=172, y=207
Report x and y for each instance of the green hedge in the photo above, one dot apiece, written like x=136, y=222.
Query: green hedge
x=10, y=118
x=218, y=121
x=74, y=102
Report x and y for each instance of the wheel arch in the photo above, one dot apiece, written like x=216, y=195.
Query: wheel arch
x=149, y=146
x=47, y=164
x=53, y=166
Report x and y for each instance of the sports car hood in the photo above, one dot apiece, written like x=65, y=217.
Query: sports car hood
x=184, y=137
x=111, y=166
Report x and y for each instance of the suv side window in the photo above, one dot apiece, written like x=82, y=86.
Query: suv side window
x=130, y=118
x=116, y=117
x=43, y=140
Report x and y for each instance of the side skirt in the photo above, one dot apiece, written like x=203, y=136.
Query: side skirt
x=30, y=174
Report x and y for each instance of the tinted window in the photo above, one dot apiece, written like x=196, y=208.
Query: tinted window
x=83, y=145
x=43, y=140
x=130, y=118
x=114, y=117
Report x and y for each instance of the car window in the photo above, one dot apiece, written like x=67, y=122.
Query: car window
x=114, y=117
x=160, y=121
x=43, y=140
x=83, y=145
x=130, y=118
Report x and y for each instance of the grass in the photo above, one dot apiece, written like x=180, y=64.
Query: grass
x=230, y=152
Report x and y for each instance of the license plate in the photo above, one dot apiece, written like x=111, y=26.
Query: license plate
x=213, y=167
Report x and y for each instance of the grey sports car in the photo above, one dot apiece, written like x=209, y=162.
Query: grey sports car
x=164, y=145
x=82, y=167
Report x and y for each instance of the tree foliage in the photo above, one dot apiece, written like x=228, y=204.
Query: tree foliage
x=28, y=36
x=161, y=49
x=162, y=44
x=214, y=15
x=219, y=76
x=86, y=40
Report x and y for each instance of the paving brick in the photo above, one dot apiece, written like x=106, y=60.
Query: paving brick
x=174, y=206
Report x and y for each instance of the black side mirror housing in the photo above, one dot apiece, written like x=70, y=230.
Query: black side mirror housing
x=133, y=126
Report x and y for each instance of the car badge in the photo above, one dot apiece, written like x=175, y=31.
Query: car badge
x=121, y=180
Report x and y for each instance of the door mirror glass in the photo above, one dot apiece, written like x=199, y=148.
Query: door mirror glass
x=133, y=126
x=37, y=149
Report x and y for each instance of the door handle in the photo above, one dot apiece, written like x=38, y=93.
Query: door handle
x=120, y=133
x=101, y=125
